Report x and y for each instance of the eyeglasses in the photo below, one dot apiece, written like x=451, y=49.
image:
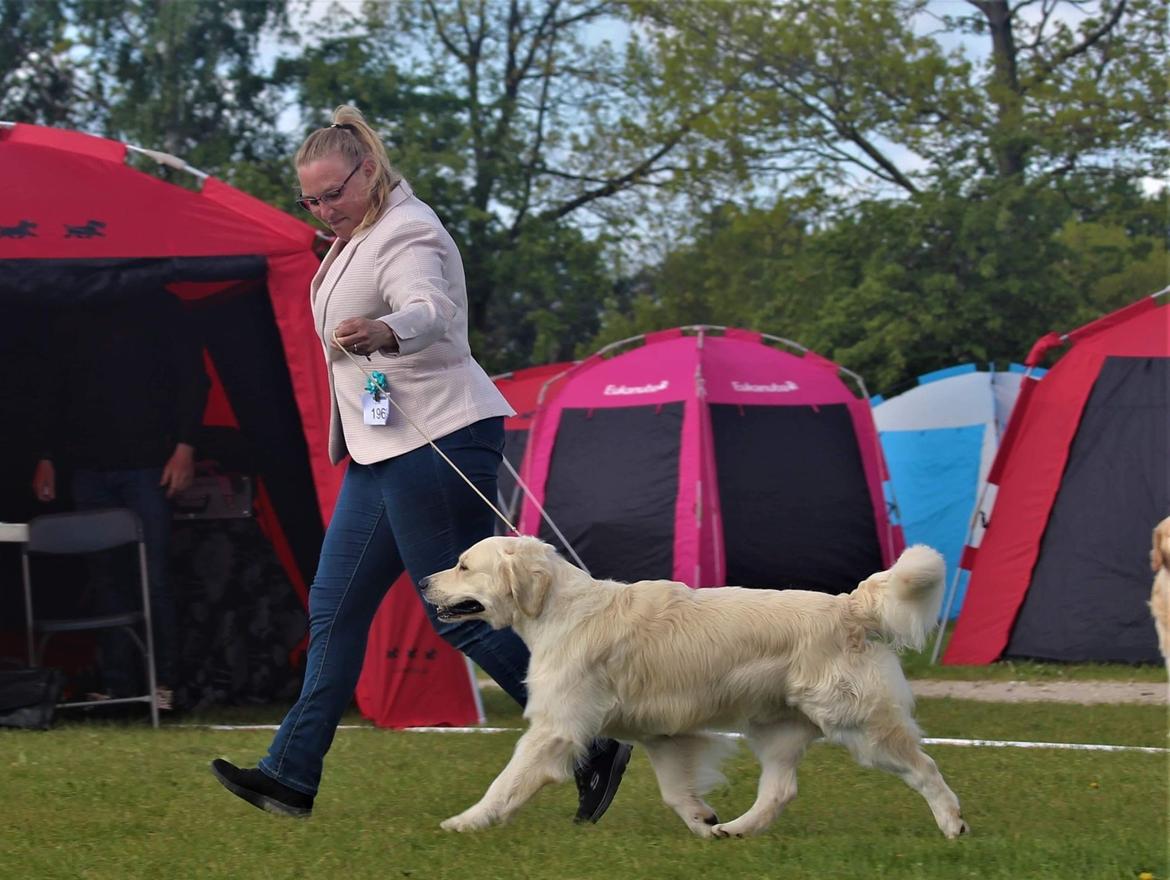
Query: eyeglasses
x=327, y=198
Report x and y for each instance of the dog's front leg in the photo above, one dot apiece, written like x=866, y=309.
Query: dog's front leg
x=541, y=756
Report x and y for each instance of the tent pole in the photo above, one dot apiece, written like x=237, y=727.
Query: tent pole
x=952, y=592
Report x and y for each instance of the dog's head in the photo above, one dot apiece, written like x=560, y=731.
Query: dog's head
x=1160, y=553
x=498, y=580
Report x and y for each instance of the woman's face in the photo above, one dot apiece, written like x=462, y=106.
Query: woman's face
x=336, y=191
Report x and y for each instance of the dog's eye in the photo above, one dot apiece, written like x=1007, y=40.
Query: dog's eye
x=462, y=566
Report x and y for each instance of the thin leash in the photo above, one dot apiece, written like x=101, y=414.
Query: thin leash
x=543, y=515
x=427, y=437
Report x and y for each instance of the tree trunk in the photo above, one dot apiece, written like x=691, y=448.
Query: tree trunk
x=1008, y=143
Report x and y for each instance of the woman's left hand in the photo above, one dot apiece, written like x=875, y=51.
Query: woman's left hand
x=363, y=336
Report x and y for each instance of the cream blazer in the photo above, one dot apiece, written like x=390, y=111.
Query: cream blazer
x=406, y=271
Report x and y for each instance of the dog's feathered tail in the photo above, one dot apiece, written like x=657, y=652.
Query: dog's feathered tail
x=902, y=604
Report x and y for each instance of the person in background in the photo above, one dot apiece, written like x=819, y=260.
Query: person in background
x=390, y=306
x=124, y=423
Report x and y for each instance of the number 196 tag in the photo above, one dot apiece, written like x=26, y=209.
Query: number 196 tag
x=375, y=412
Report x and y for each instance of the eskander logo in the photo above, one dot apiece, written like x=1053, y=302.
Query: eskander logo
x=637, y=389
x=748, y=387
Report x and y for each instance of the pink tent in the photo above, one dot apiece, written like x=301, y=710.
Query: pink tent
x=710, y=456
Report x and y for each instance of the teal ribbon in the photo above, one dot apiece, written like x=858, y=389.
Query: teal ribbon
x=376, y=384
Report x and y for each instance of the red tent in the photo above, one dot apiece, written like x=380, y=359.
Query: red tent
x=522, y=389
x=1061, y=570
x=79, y=224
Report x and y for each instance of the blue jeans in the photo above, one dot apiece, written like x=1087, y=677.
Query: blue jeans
x=139, y=490
x=413, y=513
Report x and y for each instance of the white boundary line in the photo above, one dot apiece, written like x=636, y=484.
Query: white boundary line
x=930, y=741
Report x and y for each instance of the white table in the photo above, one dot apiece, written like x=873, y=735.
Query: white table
x=16, y=533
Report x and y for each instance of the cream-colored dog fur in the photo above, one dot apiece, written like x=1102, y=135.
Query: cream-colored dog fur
x=1160, y=595
x=657, y=663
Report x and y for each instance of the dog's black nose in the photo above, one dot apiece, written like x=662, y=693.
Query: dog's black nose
x=422, y=582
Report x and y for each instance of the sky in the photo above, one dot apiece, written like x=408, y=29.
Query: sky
x=310, y=17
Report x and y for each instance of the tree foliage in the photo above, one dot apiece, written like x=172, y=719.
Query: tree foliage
x=527, y=128
x=948, y=186
x=173, y=75
x=898, y=184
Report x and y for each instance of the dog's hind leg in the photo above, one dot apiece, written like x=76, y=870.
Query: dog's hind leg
x=542, y=756
x=890, y=742
x=779, y=747
x=685, y=767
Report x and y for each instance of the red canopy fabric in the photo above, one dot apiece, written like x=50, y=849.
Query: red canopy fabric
x=70, y=197
x=1029, y=468
x=522, y=390
x=76, y=220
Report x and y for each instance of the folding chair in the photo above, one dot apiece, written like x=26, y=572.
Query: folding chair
x=78, y=534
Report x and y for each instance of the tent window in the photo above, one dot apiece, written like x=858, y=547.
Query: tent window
x=796, y=507
x=1087, y=598
x=612, y=486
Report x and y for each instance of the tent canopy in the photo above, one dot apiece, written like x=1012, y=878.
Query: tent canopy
x=1081, y=478
x=939, y=439
x=80, y=226
x=710, y=456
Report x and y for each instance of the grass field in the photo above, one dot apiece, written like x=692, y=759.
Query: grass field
x=103, y=800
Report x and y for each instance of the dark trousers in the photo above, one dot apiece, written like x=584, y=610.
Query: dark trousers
x=413, y=513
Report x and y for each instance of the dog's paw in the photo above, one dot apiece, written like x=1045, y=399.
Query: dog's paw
x=724, y=831
x=736, y=828
x=957, y=828
x=468, y=820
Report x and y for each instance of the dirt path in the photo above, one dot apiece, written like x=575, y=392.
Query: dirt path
x=1152, y=693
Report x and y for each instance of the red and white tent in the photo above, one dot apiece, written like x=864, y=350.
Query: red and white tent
x=1082, y=476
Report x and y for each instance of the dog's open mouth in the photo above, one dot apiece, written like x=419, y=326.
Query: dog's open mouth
x=466, y=608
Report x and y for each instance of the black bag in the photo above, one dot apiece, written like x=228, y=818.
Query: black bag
x=28, y=697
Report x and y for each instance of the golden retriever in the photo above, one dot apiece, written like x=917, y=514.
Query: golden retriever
x=1160, y=595
x=657, y=663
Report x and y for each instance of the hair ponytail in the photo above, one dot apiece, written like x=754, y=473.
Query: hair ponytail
x=351, y=137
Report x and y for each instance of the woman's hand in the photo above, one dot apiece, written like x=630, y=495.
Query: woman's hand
x=364, y=336
x=179, y=471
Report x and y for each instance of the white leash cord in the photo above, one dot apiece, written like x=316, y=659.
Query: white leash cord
x=544, y=515
x=427, y=437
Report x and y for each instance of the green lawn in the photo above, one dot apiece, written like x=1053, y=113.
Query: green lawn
x=104, y=800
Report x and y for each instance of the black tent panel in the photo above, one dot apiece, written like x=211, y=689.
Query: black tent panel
x=66, y=283
x=612, y=486
x=240, y=333
x=795, y=506
x=1087, y=599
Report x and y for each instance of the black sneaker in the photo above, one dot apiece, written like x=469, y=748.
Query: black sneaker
x=598, y=778
x=261, y=790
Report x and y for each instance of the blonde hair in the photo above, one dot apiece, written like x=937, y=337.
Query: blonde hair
x=351, y=137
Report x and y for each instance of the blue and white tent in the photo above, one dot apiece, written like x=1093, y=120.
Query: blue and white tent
x=939, y=439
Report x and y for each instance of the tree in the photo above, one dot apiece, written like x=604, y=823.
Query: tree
x=38, y=82
x=858, y=92
x=532, y=132
x=972, y=197
x=178, y=76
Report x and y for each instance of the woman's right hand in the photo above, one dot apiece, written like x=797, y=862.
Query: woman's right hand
x=45, y=481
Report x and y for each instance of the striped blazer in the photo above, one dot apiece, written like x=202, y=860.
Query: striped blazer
x=405, y=269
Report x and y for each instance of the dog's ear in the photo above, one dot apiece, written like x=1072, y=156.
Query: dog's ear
x=525, y=570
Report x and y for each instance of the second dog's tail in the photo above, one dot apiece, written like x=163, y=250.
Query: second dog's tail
x=902, y=604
